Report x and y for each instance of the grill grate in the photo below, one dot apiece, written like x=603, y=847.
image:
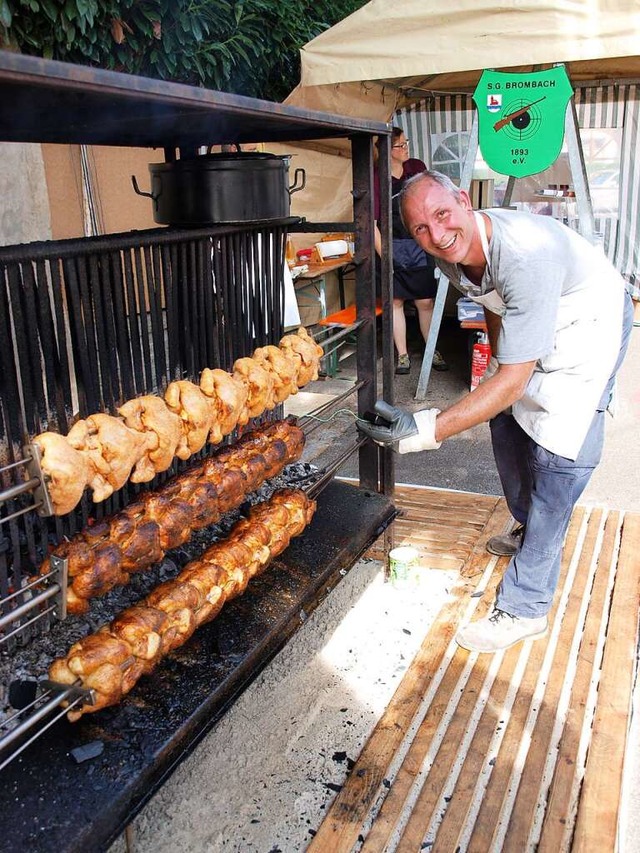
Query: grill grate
x=87, y=324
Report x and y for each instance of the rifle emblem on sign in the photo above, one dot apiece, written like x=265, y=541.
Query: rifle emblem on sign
x=521, y=119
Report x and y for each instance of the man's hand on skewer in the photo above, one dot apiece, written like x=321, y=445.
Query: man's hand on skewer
x=407, y=432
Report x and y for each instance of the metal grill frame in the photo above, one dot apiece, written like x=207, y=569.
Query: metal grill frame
x=76, y=105
x=71, y=345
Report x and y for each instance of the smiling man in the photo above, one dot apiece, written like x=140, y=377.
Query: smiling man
x=559, y=319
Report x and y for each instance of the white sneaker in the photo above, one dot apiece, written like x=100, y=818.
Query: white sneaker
x=499, y=631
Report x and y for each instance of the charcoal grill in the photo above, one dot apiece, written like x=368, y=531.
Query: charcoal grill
x=89, y=323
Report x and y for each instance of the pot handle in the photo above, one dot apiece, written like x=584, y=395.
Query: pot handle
x=299, y=173
x=138, y=191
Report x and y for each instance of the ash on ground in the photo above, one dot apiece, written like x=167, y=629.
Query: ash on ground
x=31, y=661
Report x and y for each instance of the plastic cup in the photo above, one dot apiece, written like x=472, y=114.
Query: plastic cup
x=402, y=561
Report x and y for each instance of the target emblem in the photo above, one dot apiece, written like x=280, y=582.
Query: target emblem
x=521, y=120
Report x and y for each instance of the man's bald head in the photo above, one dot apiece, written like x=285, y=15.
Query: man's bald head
x=417, y=184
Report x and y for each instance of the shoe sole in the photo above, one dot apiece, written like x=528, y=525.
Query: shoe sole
x=441, y=367
x=403, y=371
x=502, y=553
x=471, y=648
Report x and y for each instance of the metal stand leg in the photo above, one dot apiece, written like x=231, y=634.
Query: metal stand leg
x=432, y=337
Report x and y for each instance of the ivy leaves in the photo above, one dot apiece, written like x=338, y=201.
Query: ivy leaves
x=247, y=47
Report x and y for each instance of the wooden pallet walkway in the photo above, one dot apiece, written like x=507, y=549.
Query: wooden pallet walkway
x=517, y=751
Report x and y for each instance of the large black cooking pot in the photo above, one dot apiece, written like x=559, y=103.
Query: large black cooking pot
x=217, y=188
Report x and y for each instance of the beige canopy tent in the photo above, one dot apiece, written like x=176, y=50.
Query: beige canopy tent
x=386, y=56
x=394, y=60
x=392, y=53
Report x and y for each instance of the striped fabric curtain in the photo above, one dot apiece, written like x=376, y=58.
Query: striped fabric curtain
x=601, y=107
x=451, y=114
x=441, y=120
x=618, y=106
x=428, y=122
x=415, y=123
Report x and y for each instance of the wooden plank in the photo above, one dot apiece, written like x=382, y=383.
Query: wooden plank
x=343, y=824
x=498, y=785
x=442, y=534
x=598, y=811
x=445, y=496
x=440, y=528
x=482, y=746
x=498, y=522
x=462, y=796
x=559, y=817
x=523, y=809
x=452, y=519
x=454, y=516
x=392, y=807
x=439, y=773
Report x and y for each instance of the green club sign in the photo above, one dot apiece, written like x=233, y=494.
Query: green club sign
x=521, y=119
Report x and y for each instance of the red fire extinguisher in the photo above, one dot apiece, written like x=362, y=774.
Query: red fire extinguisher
x=480, y=358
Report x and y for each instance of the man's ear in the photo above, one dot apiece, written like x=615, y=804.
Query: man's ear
x=465, y=200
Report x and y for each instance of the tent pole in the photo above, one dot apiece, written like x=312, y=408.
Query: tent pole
x=443, y=281
x=586, y=224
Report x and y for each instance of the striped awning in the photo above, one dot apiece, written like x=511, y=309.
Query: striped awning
x=426, y=122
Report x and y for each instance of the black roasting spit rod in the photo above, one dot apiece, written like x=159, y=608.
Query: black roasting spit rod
x=327, y=474
x=307, y=427
x=55, y=590
x=71, y=694
x=28, y=486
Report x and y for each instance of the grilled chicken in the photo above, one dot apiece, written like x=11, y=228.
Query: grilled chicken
x=111, y=449
x=228, y=394
x=282, y=367
x=260, y=385
x=113, y=659
x=150, y=415
x=104, y=452
x=305, y=353
x=141, y=628
x=196, y=413
x=104, y=555
x=65, y=470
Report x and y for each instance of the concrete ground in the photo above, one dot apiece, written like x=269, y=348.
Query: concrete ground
x=262, y=779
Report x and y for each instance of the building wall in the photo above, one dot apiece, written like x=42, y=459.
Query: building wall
x=64, y=185
x=24, y=213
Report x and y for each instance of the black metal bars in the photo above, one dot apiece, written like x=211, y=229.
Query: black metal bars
x=87, y=324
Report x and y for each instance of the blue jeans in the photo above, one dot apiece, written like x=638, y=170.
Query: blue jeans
x=541, y=489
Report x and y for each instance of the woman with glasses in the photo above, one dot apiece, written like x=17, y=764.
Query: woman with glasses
x=413, y=269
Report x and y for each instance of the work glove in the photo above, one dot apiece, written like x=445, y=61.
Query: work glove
x=412, y=432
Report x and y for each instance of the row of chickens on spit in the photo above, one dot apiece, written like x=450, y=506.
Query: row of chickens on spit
x=103, y=451
x=110, y=661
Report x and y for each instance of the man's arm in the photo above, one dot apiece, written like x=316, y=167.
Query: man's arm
x=494, y=324
x=490, y=398
x=426, y=429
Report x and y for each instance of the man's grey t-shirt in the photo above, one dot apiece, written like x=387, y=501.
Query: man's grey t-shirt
x=561, y=306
